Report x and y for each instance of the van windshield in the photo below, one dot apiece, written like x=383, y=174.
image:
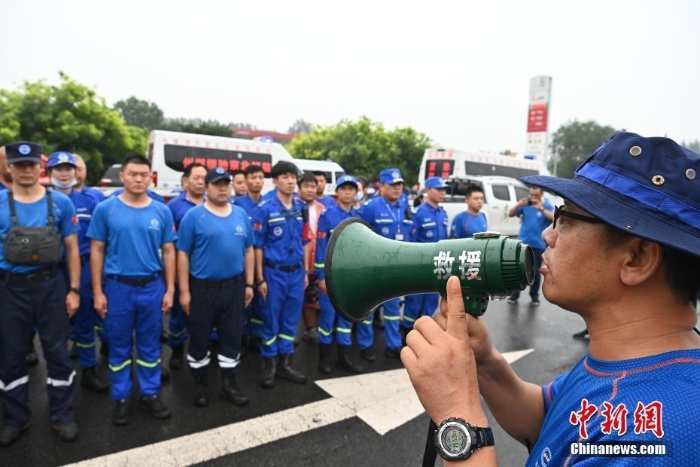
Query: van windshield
x=480, y=168
x=180, y=157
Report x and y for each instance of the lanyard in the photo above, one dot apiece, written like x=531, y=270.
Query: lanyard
x=391, y=211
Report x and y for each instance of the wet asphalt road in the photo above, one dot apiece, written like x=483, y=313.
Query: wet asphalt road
x=546, y=329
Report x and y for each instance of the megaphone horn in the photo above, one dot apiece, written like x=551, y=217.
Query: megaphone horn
x=364, y=270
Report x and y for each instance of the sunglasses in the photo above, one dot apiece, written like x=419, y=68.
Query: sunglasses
x=559, y=211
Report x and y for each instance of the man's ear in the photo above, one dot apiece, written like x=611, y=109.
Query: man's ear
x=641, y=260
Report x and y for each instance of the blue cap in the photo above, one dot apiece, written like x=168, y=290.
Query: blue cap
x=647, y=187
x=390, y=176
x=62, y=157
x=216, y=175
x=435, y=182
x=23, y=151
x=346, y=179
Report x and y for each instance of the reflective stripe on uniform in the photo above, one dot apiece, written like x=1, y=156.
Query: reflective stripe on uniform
x=177, y=334
x=275, y=219
x=428, y=224
x=57, y=383
x=319, y=265
x=147, y=364
x=383, y=221
x=199, y=363
x=14, y=384
x=271, y=341
x=323, y=331
x=391, y=318
x=367, y=321
x=344, y=330
x=256, y=321
x=409, y=319
x=84, y=346
x=286, y=337
x=226, y=362
x=120, y=367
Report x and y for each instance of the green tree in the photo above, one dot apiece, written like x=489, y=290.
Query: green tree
x=197, y=126
x=69, y=115
x=573, y=142
x=692, y=145
x=140, y=113
x=364, y=147
x=301, y=126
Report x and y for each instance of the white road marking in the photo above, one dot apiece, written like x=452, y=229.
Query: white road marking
x=383, y=400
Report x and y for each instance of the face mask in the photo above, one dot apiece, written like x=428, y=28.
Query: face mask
x=358, y=196
x=61, y=185
x=370, y=191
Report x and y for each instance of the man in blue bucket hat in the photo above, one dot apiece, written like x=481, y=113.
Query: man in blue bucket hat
x=623, y=252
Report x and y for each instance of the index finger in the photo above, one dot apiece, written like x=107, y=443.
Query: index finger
x=456, y=315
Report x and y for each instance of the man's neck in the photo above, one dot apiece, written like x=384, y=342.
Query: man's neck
x=286, y=200
x=311, y=203
x=221, y=209
x=195, y=198
x=472, y=211
x=393, y=203
x=135, y=199
x=254, y=196
x=432, y=203
x=28, y=193
x=79, y=187
x=65, y=191
x=345, y=206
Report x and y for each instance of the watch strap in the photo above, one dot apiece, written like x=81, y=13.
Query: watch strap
x=484, y=437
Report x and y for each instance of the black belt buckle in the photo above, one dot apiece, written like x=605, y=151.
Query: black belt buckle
x=31, y=278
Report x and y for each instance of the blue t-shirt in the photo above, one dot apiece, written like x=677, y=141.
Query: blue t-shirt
x=327, y=201
x=533, y=224
x=465, y=225
x=84, y=207
x=327, y=222
x=151, y=194
x=133, y=236
x=35, y=215
x=386, y=219
x=247, y=204
x=281, y=232
x=98, y=195
x=429, y=224
x=216, y=245
x=179, y=206
x=650, y=400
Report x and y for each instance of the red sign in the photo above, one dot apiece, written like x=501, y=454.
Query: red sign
x=537, y=118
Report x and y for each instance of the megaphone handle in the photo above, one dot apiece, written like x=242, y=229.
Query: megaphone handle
x=475, y=303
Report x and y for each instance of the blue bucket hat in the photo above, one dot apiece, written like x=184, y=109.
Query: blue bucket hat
x=647, y=187
x=390, y=176
x=435, y=182
x=62, y=157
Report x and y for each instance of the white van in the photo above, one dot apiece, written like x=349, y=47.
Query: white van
x=171, y=152
x=446, y=163
x=331, y=170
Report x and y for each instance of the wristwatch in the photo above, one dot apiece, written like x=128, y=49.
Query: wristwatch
x=456, y=439
x=76, y=290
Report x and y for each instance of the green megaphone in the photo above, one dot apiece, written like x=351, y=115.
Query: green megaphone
x=364, y=270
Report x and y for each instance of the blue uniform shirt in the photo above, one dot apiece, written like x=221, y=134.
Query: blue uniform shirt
x=534, y=223
x=327, y=222
x=35, y=215
x=133, y=236
x=98, y=195
x=247, y=204
x=2, y=187
x=179, y=206
x=216, y=245
x=281, y=232
x=151, y=194
x=465, y=225
x=386, y=219
x=327, y=201
x=84, y=207
x=429, y=224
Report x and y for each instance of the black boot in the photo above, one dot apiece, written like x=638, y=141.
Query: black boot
x=176, y=358
x=121, y=414
x=269, y=370
x=155, y=406
x=345, y=362
x=324, y=359
x=164, y=374
x=286, y=371
x=368, y=354
x=231, y=391
x=201, y=391
x=10, y=434
x=92, y=381
x=104, y=348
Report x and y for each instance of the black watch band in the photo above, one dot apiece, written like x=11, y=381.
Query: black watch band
x=257, y=284
x=76, y=290
x=455, y=439
x=252, y=286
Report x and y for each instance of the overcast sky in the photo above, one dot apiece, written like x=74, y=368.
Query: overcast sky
x=458, y=71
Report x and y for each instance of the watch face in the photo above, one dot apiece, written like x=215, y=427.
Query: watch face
x=455, y=440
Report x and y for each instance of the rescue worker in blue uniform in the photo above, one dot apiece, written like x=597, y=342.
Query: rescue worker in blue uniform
x=5, y=177
x=429, y=226
x=281, y=235
x=330, y=322
x=192, y=196
x=80, y=176
x=132, y=290
x=216, y=271
x=151, y=194
x=33, y=294
x=321, y=195
x=389, y=218
x=61, y=168
x=252, y=331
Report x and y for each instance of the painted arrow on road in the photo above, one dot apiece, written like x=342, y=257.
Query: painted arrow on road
x=383, y=400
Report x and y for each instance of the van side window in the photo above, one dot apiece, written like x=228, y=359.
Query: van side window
x=521, y=192
x=501, y=192
x=339, y=174
x=179, y=157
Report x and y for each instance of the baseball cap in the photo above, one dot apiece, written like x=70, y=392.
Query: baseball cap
x=346, y=179
x=390, y=176
x=216, y=175
x=23, y=151
x=435, y=182
x=647, y=187
x=62, y=157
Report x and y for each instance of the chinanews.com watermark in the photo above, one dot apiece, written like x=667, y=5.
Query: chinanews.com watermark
x=618, y=449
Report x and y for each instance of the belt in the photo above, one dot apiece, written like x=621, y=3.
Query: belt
x=216, y=284
x=29, y=278
x=272, y=265
x=135, y=281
